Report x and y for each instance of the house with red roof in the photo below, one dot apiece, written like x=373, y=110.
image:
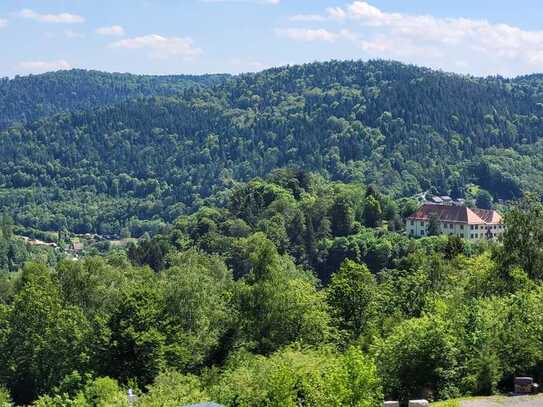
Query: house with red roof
x=461, y=221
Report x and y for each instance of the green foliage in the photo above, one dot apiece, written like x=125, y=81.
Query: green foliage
x=172, y=389
x=351, y=295
x=279, y=304
x=484, y=200
x=307, y=377
x=197, y=293
x=45, y=340
x=101, y=392
x=27, y=98
x=274, y=293
x=137, y=344
x=150, y=252
x=372, y=213
x=135, y=152
x=343, y=216
x=419, y=358
x=455, y=246
x=5, y=398
x=434, y=228
x=523, y=239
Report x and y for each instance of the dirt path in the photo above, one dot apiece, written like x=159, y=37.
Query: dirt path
x=506, y=402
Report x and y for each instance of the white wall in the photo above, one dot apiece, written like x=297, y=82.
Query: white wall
x=419, y=228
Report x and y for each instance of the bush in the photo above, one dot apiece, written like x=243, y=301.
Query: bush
x=418, y=359
x=5, y=398
x=173, y=389
x=301, y=377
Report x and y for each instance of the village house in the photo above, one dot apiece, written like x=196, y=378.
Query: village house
x=467, y=223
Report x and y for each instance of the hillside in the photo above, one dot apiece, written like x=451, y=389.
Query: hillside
x=405, y=128
x=27, y=98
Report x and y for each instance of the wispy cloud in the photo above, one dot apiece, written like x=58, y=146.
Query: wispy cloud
x=425, y=39
x=3, y=22
x=114, y=30
x=161, y=47
x=43, y=66
x=62, y=18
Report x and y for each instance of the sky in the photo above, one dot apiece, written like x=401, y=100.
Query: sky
x=477, y=37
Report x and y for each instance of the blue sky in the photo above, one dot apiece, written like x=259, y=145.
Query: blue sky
x=199, y=36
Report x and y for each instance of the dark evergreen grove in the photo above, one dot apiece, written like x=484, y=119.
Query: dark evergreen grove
x=28, y=98
x=151, y=148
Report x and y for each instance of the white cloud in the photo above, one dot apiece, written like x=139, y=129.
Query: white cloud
x=62, y=18
x=114, y=30
x=336, y=13
x=3, y=22
x=43, y=66
x=161, y=47
x=460, y=44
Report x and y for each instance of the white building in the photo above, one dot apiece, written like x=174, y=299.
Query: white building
x=467, y=223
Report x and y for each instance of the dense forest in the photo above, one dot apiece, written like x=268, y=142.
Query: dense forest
x=271, y=267
x=117, y=157
x=28, y=98
x=285, y=291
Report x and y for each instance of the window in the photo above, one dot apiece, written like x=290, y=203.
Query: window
x=422, y=232
x=472, y=235
x=471, y=227
x=461, y=227
x=422, y=223
x=412, y=223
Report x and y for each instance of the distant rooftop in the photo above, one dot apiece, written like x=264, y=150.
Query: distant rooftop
x=440, y=199
x=455, y=213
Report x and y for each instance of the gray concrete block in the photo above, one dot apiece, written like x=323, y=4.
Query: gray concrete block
x=392, y=404
x=418, y=403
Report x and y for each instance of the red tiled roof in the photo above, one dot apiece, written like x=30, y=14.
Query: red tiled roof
x=488, y=216
x=460, y=214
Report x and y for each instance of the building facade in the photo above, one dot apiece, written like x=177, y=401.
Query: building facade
x=467, y=223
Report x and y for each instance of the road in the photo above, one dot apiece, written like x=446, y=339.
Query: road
x=506, y=402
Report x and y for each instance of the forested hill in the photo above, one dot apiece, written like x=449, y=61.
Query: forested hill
x=402, y=127
x=27, y=98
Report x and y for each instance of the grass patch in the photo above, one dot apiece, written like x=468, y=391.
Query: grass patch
x=448, y=403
